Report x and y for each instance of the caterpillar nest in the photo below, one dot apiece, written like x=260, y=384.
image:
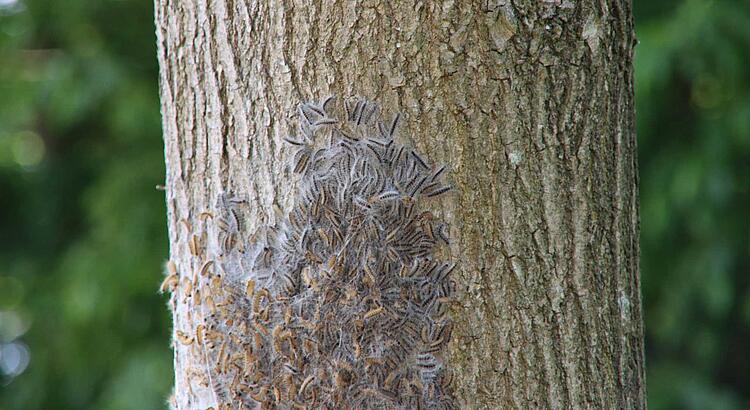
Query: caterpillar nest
x=344, y=302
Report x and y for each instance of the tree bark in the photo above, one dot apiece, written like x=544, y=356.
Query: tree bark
x=530, y=104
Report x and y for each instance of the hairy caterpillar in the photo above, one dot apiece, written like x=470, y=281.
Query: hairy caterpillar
x=349, y=282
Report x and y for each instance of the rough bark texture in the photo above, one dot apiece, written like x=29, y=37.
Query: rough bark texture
x=531, y=103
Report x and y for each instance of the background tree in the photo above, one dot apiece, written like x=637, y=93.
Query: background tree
x=82, y=229
x=532, y=106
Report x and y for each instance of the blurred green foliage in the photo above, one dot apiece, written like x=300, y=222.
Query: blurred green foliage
x=82, y=229
x=693, y=110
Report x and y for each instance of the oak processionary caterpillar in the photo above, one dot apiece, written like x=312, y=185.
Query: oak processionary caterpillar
x=344, y=303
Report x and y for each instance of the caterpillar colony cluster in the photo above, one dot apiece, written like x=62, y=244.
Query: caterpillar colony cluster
x=344, y=302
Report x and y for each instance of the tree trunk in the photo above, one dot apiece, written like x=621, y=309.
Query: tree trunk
x=531, y=106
